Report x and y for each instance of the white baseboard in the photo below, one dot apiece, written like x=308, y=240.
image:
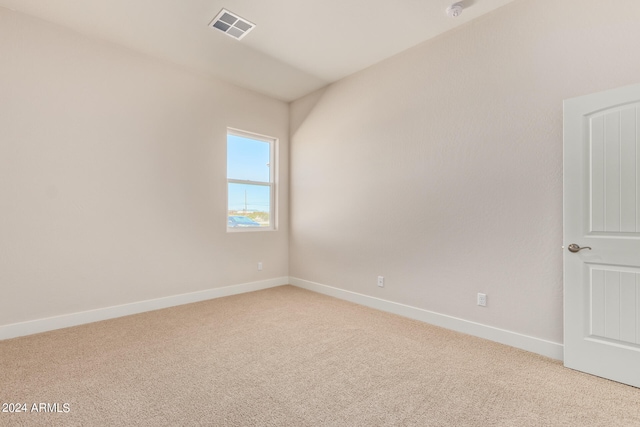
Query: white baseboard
x=524, y=342
x=74, y=319
x=513, y=339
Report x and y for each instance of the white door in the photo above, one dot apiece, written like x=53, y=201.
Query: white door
x=602, y=211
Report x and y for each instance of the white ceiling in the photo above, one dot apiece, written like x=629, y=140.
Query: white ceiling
x=297, y=46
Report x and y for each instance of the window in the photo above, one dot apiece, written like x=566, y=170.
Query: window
x=250, y=181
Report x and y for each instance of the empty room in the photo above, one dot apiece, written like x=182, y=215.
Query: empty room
x=319, y=213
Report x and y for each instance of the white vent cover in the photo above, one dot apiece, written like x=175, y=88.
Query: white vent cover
x=231, y=24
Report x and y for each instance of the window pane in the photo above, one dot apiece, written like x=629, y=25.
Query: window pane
x=249, y=205
x=247, y=159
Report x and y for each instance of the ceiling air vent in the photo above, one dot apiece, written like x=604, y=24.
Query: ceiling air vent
x=231, y=24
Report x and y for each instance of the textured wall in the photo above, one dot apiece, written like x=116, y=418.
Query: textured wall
x=113, y=176
x=441, y=168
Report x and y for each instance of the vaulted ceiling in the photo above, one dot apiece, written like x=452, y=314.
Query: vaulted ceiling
x=296, y=47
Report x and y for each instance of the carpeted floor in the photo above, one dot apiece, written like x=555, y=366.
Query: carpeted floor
x=289, y=357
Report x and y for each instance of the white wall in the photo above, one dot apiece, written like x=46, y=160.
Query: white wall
x=441, y=168
x=112, y=176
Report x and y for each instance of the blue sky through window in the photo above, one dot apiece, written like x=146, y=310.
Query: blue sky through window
x=248, y=160
x=252, y=198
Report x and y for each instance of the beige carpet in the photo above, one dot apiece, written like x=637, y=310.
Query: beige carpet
x=290, y=357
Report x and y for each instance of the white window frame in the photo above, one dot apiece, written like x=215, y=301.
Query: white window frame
x=273, y=143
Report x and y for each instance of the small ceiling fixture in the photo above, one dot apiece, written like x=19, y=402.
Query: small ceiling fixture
x=455, y=10
x=231, y=24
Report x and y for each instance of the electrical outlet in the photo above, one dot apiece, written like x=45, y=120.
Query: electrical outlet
x=259, y=266
x=381, y=281
x=482, y=300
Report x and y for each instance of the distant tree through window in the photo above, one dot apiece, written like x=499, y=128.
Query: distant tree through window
x=250, y=181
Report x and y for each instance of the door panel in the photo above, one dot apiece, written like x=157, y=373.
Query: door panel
x=602, y=211
x=614, y=304
x=614, y=173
